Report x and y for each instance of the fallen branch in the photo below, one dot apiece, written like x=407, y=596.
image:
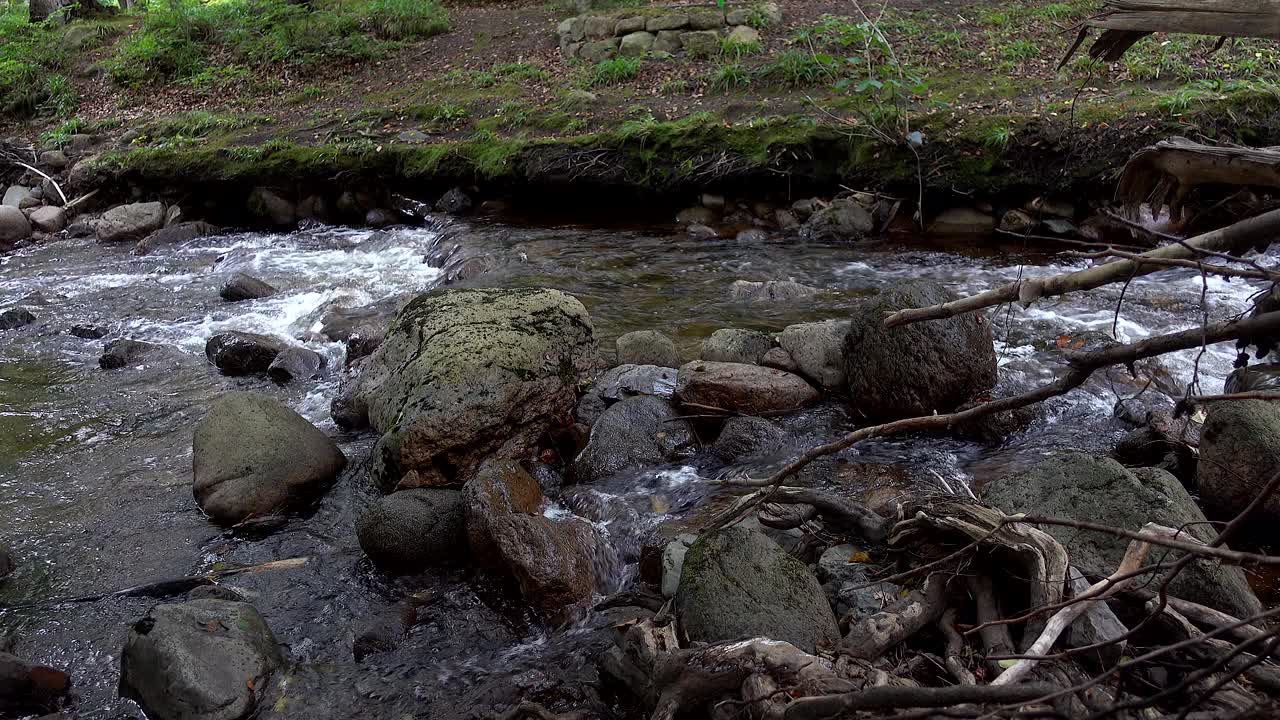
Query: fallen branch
x=955, y=648
x=1141, y=260
x=873, y=636
x=1237, y=237
x=56, y=186
x=888, y=698
x=1229, y=557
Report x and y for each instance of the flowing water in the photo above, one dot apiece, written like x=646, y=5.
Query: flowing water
x=95, y=466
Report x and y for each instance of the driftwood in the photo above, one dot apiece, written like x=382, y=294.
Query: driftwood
x=1125, y=22
x=1163, y=174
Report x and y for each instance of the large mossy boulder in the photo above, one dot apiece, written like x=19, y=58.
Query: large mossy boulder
x=1082, y=487
x=736, y=583
x=647, y=347
x=412, y=530
x=638, y=432
x=201, y=660
x=916, y=369
x=253, y=456
x=1239, y=452
x=465, y=375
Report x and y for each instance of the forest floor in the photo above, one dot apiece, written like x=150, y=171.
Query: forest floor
x=979, y=80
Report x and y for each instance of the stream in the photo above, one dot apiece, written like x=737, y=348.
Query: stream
x=95, y=466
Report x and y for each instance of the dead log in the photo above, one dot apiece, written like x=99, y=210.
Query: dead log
x=872, y=637
x=1165, y=173
x=1125, y=22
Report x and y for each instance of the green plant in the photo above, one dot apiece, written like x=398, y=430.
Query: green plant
x=730, y=76
x=60, y=98
x=737, y=49
x=797, y=68
x=997, y=137
x=61, y=134
x=674, y=86
x=400, y=19
x=614, y=71
x=521, y=71
x=1055, y=11
x=1020, y=50
x=757, y=18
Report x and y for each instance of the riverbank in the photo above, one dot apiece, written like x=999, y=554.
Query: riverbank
x=815, y=99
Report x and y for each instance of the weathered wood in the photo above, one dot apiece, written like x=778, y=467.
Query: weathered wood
x=1125, y=22
x=1163, y=174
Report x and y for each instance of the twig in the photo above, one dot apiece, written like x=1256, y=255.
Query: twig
x=56, y=186
x=1229, y=557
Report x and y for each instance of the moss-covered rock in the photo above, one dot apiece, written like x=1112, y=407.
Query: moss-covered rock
x=465, y=375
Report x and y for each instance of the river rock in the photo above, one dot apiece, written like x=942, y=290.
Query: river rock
x=842, y=219
x=123, y=352
x=738, y=584
x=627, y=381
x=839, y=575
x=384, y=631
x=245, y=287
x=736, y=346
x=49, y=219
x=636, y=44
x=552, y=560
x=962, y=221
x=464, y=375
x=27, y=688
x=272, y=207
x=14, y=226
x=412, y=530
x=1262, y=376
x=253, y=456
x=746, y=389
x=916, y=369
x=817, y=349
x=87, y=332
x=200, y=660
x=14, y=195
x=1018, y=221
x=296, y=363
x=673, y=556
x=745, y=437
x=182, y=232
x=1239, y=452
x=780, y=359
x=7, y=563
x=130, y=222
x=635, y=433
x=54, y=159
x=347, y=408
x=647, y=347
x=697, y=215
x=454, y=202
x=770, y=291
x=15, y=318
x=242, y=353
x=1082, y=487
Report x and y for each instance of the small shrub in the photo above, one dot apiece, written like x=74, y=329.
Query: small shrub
x=60, y=99
x=997, y=137
x=402, y=19
x=730, y=76
x=615, y=71
x=61, y=135
x=736, y=50
x=796, y=68
x=1020, y=50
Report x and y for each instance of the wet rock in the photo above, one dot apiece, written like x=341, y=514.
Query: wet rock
x=175, y=235
x=842, y=219
x=667, y=21
x=589, y=409
x=697, y=215
x=49, y=193
x=673, y=556
x=916, y=369
x=465, y=375
x=770, y=291
x=780, y=359
x=49, y=219
x=296, y=363
x=215, y=592
x=362, y=328
x=1081, y=487
x=702, y=232
x=454, y=202
x=242, y=353
x=272, y=207
x=7, y=563
x=378, y=218
x=172, y=216
x=636, y=44
x=647, y=347
x=637, y=432
x=550, y=481
x=27, y=688
x=805, y=208
x=54, y=159
x=122, y=353
x=253, y=456
x=817, y=350
x=701, y=43
x=130, y=222
x=1017, y=221
x=14, y=226
x=14, y=195
x=88, y=332
x=1098, y=625
x=746, y=389
x=412, y=530
x=552, y=560
x=962, y=221
x=347, y=409
x=245, y=287
x=200, y=660
x=839, y=575
x=737, y=584
x=626, y=381
x=748, y=437
x=15, y=318
x=786, y=219
x=1263, y=376
x=1239, y=452
x=1056, y=207
x=752, y=235
x=383, y=632
x=736, y=346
